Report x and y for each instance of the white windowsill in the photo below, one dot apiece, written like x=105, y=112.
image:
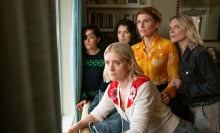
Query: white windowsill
x=66, y=122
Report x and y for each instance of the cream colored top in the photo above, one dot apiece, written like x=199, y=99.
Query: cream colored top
x=146, y=112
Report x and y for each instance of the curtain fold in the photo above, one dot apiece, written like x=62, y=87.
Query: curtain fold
x=29, y=67
x=77, y=54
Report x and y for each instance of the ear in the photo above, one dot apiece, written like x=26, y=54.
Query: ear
x=130, y=64
x=99, y=39
x=157, y=25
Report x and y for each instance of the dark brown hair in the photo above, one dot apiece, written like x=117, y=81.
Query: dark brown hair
x=131, y=26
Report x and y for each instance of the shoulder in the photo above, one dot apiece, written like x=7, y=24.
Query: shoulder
x=139, y=81
x=143, y=85
x=165, y=42
x=100, y=54
x=200, y=51
x=102, y=50
x=137, y=45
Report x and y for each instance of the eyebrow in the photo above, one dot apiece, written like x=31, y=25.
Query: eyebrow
x=92, y=33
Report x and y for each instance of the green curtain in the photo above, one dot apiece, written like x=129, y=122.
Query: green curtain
x=29, y=76
x=76, y=54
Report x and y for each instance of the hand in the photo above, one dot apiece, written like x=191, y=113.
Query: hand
x=79, y=105
x=73, y=129
x=82, y=124
x=176, y=82
x=165, y=97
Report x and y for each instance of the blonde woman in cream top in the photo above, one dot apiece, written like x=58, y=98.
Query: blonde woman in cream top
x=134, y=96
x=146, y=113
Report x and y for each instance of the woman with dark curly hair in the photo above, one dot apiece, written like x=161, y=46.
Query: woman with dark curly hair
x=125, y=31
x=93, y=66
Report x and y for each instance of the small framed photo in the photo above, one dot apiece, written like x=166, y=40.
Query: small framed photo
x=133, y=2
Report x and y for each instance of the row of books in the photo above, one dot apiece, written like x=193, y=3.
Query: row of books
x=108, y=20
x=106, y=1
x=141, y=2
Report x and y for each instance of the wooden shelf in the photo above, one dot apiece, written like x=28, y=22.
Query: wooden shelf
x=105, y=16
x=106, y=29
x=118, y=6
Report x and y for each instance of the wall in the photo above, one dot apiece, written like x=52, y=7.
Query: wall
x=66, y=34
x=167, y=9
x=212, y=24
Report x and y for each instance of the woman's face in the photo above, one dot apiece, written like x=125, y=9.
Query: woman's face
x=91, y=40
x=146, y=25
x=116, y=67
x=177, y=33
x=123, y=34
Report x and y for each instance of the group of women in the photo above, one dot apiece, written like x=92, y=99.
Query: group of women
x=154, y=84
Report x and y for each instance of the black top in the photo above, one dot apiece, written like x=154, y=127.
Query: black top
x=200, y=76
x=92, y=78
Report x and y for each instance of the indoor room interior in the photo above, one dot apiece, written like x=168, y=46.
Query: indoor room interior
x=41, y=55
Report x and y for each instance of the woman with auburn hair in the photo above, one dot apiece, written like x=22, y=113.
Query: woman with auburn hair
x=158, y=58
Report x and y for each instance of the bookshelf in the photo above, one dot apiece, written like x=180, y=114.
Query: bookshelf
x=106, y=13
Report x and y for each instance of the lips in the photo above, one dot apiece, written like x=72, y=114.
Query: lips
x=172, y=36
x=112, y=74
x=143, y=32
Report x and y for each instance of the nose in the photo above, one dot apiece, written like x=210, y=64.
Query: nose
x=123, y=34
x=111, y=67
x=142, y=24
x=171, y=30
x=87, y=39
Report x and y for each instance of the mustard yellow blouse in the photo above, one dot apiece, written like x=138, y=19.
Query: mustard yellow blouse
x=160, y=63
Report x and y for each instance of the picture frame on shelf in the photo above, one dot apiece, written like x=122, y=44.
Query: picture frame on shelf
x=135, y=2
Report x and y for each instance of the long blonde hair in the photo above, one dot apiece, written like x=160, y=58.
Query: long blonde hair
x=191, y=32
x=124, y=50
